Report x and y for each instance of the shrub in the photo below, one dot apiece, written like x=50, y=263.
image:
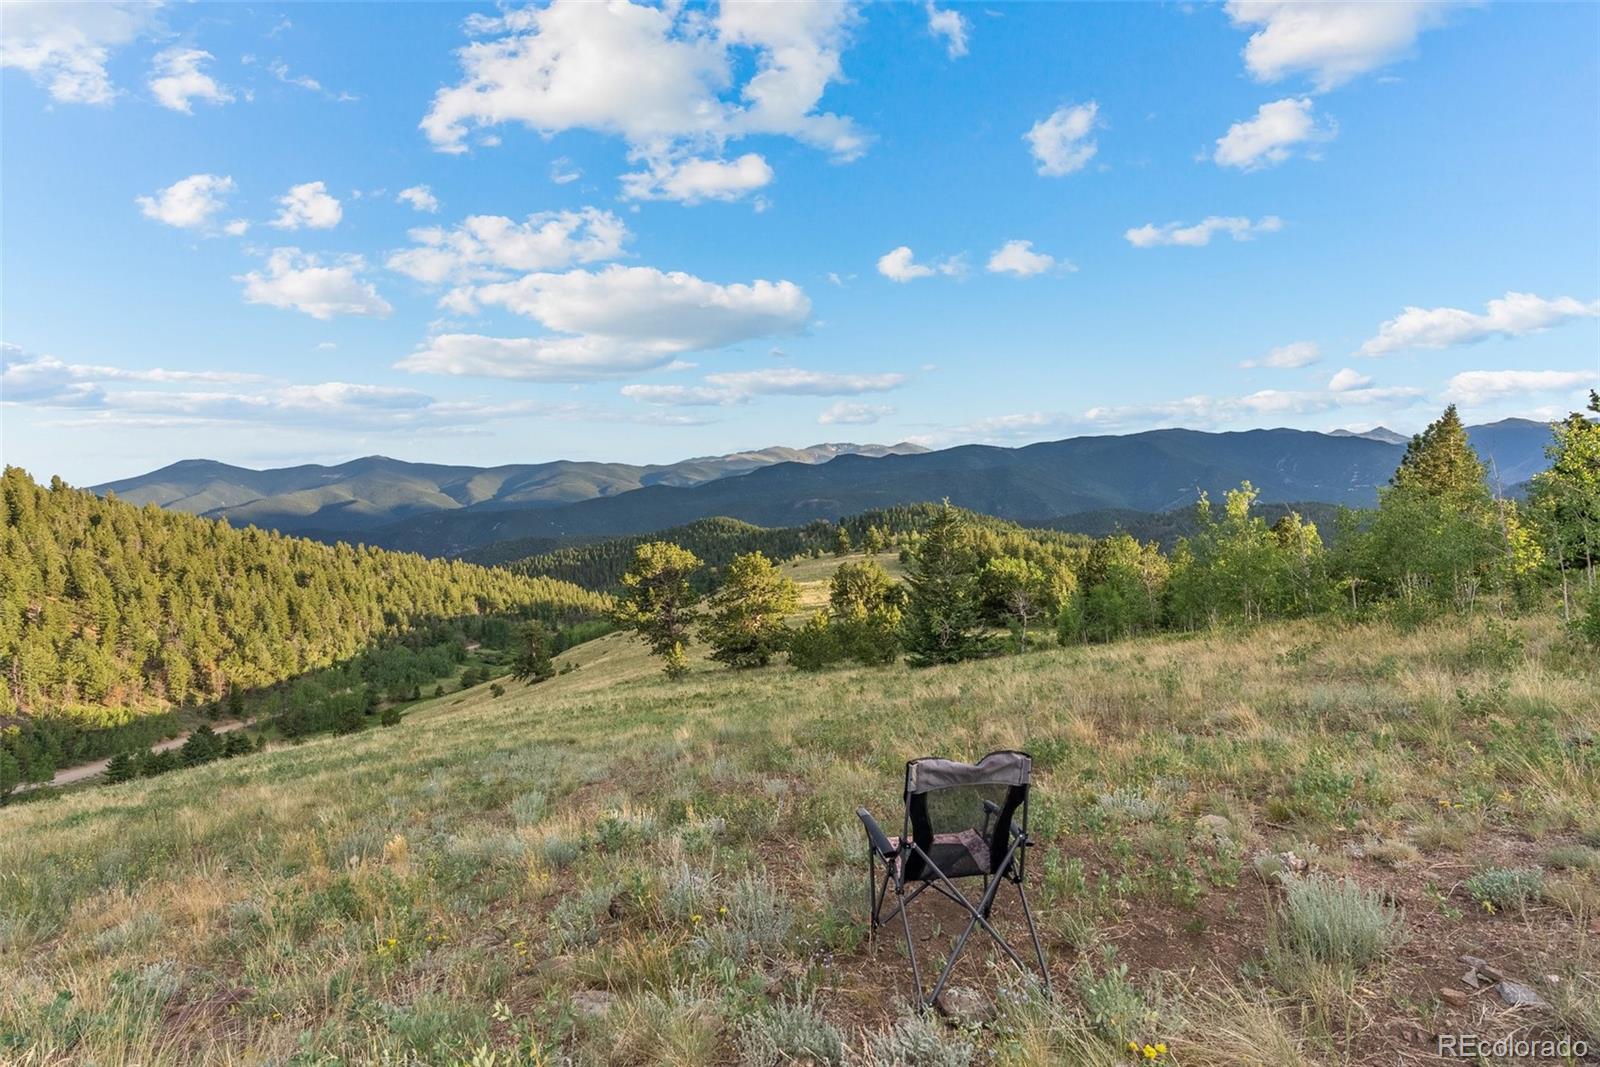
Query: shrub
x=756, y=925
x=791, y=1033
x=1131, y=804
x=917, y=1041
x=1336, y=922
x=1506, y=888
x=390, y=716
x=528, y=808
x=815, y=645
x=497, y=690
x=559, y=852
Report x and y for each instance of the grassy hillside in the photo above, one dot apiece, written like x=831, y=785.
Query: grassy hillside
x=624, y=870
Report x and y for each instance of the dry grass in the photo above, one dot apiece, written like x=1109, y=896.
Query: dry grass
x=441, y=890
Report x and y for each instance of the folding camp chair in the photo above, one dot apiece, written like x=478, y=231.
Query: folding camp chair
x=960, y=822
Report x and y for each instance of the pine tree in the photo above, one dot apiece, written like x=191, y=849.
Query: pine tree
x=1565, y=498
x=1440, y=462
x=534, y=663
x=841, y=542
x=122, y=767
x=202, y=746
x=658, y=602
x=942, y=623
x=746, y=622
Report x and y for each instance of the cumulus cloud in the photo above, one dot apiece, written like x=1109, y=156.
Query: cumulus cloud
x=188, y=203
x=1346, y=380
x=176, y=80
x=1238, y=227
x=308, y=205
x=900, y=265
x=671, y=81
x=1269, y=138
x=1330, y=42
x=952, y=26
x=1063, y=142
x=1288, y=357
x=1206, y=410
x=613, y=321
x=692, y=180
x=1512, y=315
x=420, y=197
x=302, y=282
x=487, y=247
x=1481, y=386
x=1019, y=258
x=65, y=47
x=845, y=413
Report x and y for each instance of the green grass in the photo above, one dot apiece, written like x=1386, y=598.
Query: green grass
x=442, y=890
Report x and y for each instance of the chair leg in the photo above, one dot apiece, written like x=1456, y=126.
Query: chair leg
x=1033, y=932
x=911, y=945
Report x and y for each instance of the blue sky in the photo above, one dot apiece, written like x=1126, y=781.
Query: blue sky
x=472, y=234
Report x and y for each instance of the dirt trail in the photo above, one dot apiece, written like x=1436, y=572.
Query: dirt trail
x=85, y=771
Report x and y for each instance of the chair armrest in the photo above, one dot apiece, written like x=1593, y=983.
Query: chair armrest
x=875, y=835
x=991, y=810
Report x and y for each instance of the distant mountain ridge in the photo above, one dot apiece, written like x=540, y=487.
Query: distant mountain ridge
x=438, y=510
x=374, y=491
x=1154, y=471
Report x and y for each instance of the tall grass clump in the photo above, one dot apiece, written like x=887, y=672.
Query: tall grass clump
x=1336, y=922
x=790, y=1033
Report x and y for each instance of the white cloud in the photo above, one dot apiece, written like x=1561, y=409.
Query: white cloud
x=1238, y=227
x=665, y=79
x=950, y=25
x=1204, y=410
x=300, y=281
x=899, y=265
x=693, y=180
x=1019, y=258
x=609, y=322
x=176, y=80
x=845, y=413
x=237, y=227
x=1512, y=315
x=1480, y=386
x=1269, y=138
x=538, y=359
x=1062, y=142
x=1346, y=380
x=737, y=387
x=485, y=247
x=674, y=310
x=188, y=203
x=1288, y=357
x=65, y=47
x=562, y=171
x=792, y=381
x=309, y=205
x=1331, y=42
x=29, y=378
x=280, y=70
x=420, y=197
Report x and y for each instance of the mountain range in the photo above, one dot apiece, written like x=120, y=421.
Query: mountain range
x=441, y=510
x=374, y=491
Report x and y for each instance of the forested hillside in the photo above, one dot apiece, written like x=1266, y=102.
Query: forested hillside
x=716, y=541
x=107, y=608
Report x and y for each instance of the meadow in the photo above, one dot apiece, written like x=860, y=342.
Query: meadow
x=1265, y=845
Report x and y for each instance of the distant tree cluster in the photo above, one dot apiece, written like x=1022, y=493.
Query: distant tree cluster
x=1439, y=539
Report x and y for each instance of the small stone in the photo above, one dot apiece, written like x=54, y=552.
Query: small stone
x=1470, y=980
x=1491, y=972
x=1520, y=996
x=1213, y=829
x=1474, y=962
x=1291, y=862
x=965, y=1006
x=592, y=1003
x=1453, y=997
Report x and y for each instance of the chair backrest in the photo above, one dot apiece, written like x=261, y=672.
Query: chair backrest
x=946, y=800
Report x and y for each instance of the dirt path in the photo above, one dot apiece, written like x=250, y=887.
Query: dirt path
x=84, y=771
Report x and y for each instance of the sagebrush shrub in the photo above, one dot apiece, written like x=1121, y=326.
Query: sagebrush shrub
x=1336, y=922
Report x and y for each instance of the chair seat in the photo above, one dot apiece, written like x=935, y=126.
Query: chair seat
x=958, y=855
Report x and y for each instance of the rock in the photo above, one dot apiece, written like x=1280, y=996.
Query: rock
x=1519, y=996
x=1474, y=962
x=1213, y=830
x=1290, y=862
x=592, y=1003
x=1491, y=972
x=965, y=1006
x=1471, y=980
x=1453, y=997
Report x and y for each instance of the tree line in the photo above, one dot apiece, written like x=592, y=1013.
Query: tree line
x=1438, y=540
